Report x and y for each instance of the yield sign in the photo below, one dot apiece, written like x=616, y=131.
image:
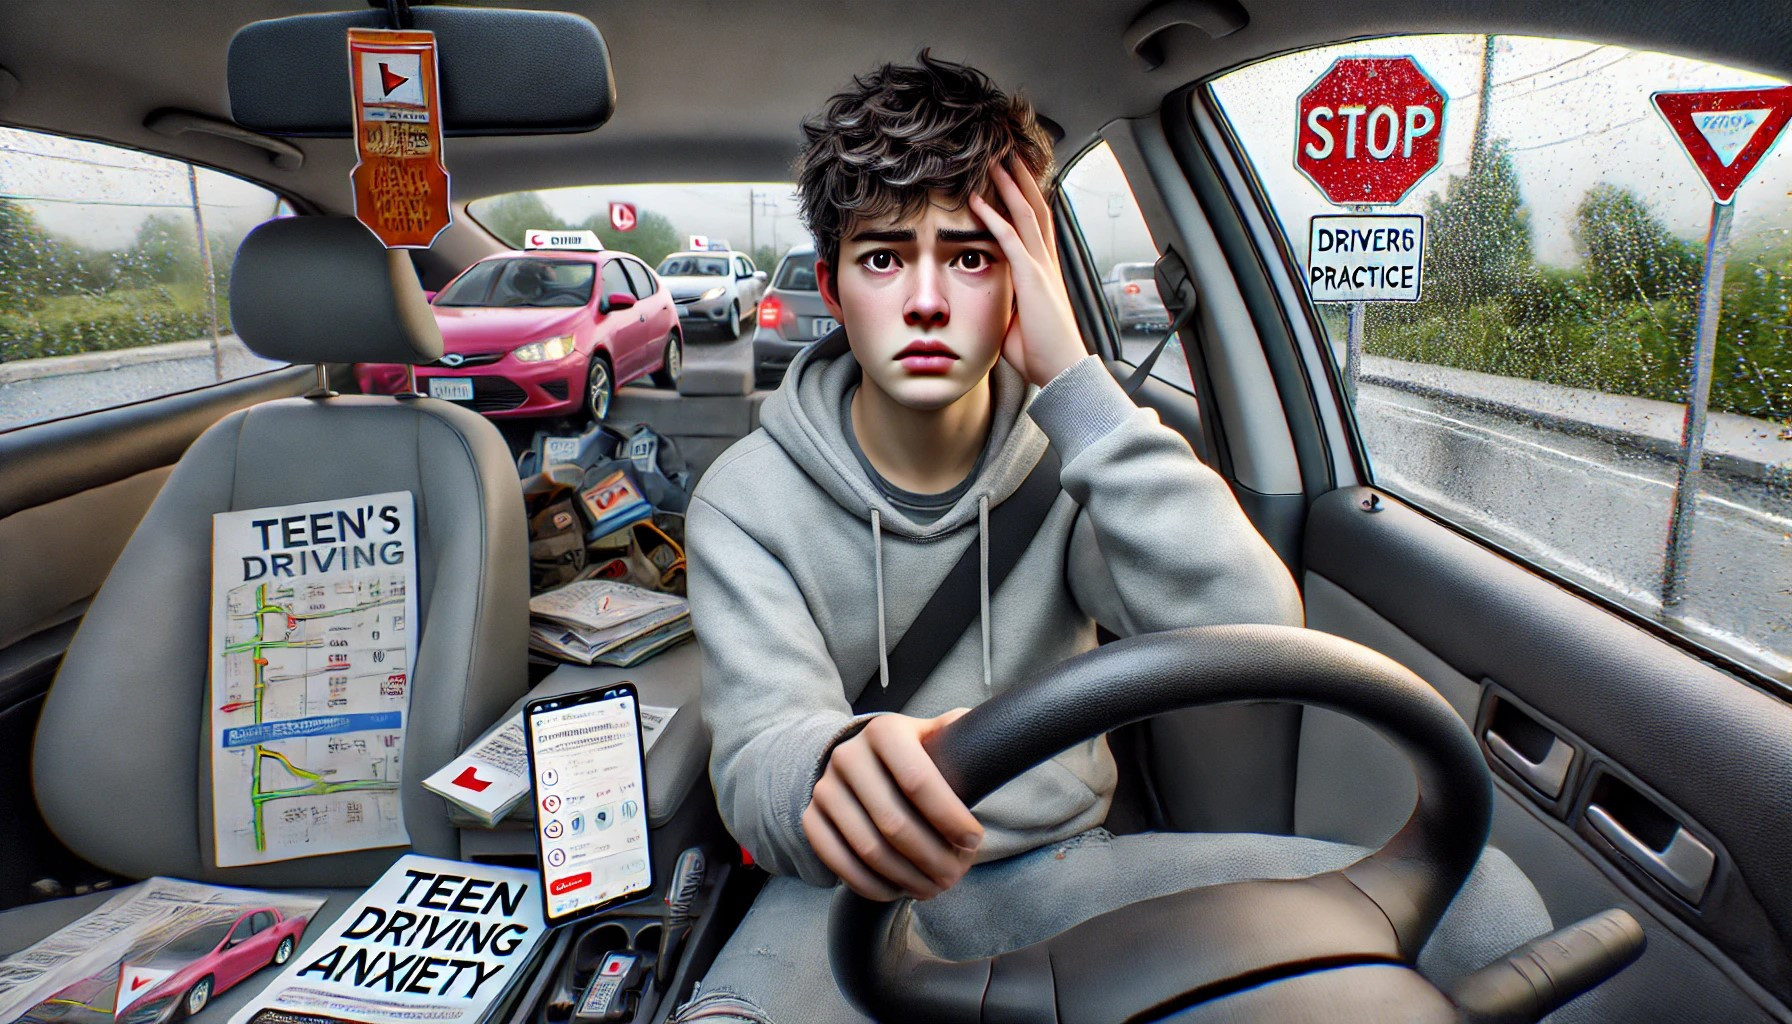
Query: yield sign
x=134, y=983
x=1726, y=132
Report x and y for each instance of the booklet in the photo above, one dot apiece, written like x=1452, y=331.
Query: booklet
x=154, y=952
x=433, y=940
x=313, y=635
x=500, y=763
x=587, y=619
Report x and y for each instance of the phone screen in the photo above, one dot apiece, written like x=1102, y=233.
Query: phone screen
x=590, y=800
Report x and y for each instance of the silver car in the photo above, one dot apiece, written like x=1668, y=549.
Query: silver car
x=791, y=316
x=720, y=287
x=1131, y=291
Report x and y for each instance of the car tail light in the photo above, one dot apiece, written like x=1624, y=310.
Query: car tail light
x=1131, y=289
x=770, y=311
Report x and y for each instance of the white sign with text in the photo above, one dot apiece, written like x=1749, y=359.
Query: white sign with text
x=1366, y=257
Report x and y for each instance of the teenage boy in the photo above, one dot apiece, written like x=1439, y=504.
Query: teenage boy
x=816, y=541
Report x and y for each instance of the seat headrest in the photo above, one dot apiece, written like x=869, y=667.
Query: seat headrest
x=324, y=290
x=715, y=380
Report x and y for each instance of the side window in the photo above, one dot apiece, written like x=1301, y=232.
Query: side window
x=1114, y=234
x=638, y=279
x=1542, y=390
x=260, y=922
x=115, y=275
x=742, y=268
x=614, y=280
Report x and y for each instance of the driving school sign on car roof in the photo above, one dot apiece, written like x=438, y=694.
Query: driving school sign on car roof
x=1726, y=132
x=1369, y=129
x=400, y=183
x=541, y=238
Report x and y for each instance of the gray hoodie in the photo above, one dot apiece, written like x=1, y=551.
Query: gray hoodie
x=803, y=578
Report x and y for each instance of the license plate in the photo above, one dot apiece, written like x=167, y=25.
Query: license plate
x=824, y=324
x=455, y=389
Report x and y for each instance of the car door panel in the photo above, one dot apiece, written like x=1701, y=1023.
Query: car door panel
x=1695, y=740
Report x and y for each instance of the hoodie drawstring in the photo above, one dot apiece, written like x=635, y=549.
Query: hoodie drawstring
x=877, y=557
x=983, y=583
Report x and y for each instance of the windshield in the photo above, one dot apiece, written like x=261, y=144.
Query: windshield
x=797, y=274
x=694, y=266
x=522, y=282
x=197, y=942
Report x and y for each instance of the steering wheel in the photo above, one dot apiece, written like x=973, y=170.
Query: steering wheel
x=1334, y=947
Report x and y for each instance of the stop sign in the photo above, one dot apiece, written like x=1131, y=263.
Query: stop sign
x=1369, y=129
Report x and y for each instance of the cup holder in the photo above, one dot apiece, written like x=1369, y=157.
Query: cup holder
x=604, y=935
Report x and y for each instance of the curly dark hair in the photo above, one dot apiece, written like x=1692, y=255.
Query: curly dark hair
x=903, y=133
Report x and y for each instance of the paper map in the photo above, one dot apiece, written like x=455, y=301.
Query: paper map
x=313, y=633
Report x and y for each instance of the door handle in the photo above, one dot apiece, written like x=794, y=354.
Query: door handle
x=1547, y=775
x=1685, y=866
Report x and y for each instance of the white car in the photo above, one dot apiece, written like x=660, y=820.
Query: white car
x=720, y=287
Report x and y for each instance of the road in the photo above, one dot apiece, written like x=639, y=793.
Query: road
x=1596, y=512
x=48, y=398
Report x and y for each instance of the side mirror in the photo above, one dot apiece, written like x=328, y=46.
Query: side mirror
x=759, y=275
x=429, y=295
x=615, y=301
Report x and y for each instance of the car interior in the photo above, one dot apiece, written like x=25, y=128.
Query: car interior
x=1450, y=691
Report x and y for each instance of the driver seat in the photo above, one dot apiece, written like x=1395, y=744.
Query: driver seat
x=120, y=766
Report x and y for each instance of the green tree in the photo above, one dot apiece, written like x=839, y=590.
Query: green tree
x=653, y=236
x=766, y=258
x=1480, y=244
x=28, y=258
x=1629, y=252
x=164, y=252
x=509, y=216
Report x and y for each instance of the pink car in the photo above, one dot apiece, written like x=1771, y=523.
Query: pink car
x=546, y=332
x=206, y=961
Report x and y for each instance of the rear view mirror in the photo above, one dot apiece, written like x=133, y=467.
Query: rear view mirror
x=290, y=76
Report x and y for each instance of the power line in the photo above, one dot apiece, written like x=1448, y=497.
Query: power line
x=94, y=163
x=1583, y=135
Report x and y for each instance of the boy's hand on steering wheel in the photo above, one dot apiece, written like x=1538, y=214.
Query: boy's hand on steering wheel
x=1042, y=339
x=883, y=818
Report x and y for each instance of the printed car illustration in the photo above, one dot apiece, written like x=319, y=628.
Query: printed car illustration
x=546, y=332
x=719, y=287
x=181, y=975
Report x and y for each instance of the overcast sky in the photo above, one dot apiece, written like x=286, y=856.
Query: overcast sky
x=1575, y=113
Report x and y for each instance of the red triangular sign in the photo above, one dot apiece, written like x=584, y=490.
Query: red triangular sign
x=1726, y=132
x=389, y=79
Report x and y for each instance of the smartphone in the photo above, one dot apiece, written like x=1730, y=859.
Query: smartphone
x=590, y=788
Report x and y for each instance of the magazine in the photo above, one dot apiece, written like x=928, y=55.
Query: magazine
x=587, y=619
x=153, y=953
x=314, y=614
x=436, y=940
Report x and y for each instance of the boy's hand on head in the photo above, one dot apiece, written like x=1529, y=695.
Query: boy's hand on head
x=883, y=818
x=1043, y=339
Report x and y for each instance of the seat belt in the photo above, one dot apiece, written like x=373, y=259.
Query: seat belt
x=1177, y=291
x=948, y=613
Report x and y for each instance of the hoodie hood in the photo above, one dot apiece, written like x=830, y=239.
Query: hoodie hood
x=803, y=416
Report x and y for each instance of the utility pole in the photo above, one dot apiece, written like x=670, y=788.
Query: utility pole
x=752, y=225
x=205, y=267
x=1482, y=104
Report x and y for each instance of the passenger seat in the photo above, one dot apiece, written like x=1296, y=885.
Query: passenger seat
x=120, y=765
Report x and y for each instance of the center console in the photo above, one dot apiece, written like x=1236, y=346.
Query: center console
x=644, y=956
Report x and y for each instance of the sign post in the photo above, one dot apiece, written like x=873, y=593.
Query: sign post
x=1725, y=133
x=1367, y=131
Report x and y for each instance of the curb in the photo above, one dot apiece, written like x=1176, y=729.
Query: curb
x=92, y=362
